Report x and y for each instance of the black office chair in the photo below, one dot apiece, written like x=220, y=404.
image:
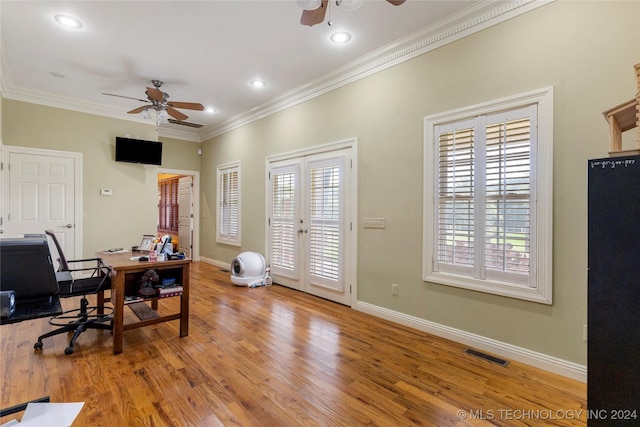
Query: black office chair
x=85, y=317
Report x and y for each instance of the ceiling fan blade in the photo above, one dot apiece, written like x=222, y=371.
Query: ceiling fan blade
x=315, y=16
x=128, y=97
x=176, y=114
x=396, y=2
x=155, y=94
x=187, y=105
x=139, y=109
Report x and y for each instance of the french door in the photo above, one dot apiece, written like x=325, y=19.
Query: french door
x=311, y=206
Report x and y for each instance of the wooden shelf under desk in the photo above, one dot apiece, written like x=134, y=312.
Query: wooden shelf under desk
x=125, y=274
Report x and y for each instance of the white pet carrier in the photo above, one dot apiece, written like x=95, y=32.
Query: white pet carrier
x=250, y=269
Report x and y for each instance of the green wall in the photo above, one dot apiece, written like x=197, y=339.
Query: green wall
x=119, y=220
x=585, y=50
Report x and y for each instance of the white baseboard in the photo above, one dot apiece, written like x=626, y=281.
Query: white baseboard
x=215, y=262
x=508, y=351
x=504, y=350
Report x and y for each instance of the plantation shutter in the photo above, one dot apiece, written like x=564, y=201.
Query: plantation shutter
x=325, y=215
x=229, y=204
x=510, y=184
x=284, y=217
x=168, y=205
x=485, y=212
x=455, y=204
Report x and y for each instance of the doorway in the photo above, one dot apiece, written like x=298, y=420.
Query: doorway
x=311, y=211
x=178, y=215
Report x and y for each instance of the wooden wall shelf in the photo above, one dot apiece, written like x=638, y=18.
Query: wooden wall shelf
x=623, y=118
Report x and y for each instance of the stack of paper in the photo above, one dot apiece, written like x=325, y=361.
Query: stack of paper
x=48, y=415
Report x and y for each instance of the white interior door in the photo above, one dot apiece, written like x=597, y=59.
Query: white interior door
x=185, y=214
x=42, y=195
x=311, y=246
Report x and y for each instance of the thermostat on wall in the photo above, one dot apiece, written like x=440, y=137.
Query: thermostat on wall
x=105, y=192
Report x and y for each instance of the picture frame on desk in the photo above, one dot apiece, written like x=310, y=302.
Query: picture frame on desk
x=147, y=242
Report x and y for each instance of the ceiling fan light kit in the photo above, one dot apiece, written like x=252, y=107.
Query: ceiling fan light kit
x=309, y=4
x=315, y=10
x=349, y=4
x=159, y=102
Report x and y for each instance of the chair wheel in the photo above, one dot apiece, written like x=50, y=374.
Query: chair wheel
x=68, y=350
x=38, y=345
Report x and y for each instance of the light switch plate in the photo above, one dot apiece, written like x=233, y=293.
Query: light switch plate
x=374, y=223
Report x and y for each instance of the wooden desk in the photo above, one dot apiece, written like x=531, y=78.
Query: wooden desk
x=124, y=277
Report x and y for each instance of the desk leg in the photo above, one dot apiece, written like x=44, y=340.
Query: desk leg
x=117, y=297
x=100, y=302
x=184, y=301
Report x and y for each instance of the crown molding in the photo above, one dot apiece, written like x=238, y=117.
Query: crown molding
x=478, y=17
x=184, y=135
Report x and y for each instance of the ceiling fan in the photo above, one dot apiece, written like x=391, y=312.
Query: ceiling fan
x=315, y=10
x=159, y=101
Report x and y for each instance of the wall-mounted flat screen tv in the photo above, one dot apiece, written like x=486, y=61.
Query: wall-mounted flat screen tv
x=138, y=151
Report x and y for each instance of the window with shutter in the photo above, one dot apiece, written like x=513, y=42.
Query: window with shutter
x=228, y=229
x=168, y=205
x=488, y=206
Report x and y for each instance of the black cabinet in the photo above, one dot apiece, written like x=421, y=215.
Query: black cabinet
x=613, y=378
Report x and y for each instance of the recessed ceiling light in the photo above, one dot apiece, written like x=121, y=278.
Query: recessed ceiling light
x=340, y=37
x=68, y=21
x=211, y=110
x=257, y=83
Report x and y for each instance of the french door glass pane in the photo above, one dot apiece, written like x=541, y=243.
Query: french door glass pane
x=325, y=210
x=283, y=227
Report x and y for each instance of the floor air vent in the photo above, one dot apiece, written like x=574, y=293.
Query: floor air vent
x=488, y=357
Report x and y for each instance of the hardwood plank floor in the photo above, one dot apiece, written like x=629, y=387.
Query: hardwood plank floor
x=273, y=356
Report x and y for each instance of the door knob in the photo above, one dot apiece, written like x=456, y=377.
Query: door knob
x=67, y=226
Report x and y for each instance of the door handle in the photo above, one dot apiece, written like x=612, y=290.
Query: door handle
x=302, y=230
x=67, y=226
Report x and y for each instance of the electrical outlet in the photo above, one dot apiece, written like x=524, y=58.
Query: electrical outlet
x=584, y=333
x=394, y=289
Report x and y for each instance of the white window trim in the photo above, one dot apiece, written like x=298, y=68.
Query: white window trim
x=222, y=170
x=542, y=290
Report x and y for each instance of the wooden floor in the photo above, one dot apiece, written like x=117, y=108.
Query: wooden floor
x=272, y=356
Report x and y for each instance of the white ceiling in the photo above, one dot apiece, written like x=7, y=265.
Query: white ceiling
x=208, y=51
